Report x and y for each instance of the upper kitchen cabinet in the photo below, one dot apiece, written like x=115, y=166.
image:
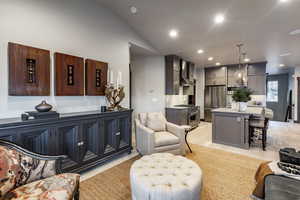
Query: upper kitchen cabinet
x=256, y=69
x=172, y=71
x=257, y=78
x=233, y=78
x=191, y=69
x=215, y=76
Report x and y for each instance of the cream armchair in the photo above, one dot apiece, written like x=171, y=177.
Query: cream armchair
x=154, y=134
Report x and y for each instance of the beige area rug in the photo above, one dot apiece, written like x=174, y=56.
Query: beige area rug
x=226, y=176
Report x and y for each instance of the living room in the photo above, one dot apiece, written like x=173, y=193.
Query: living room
x=149, y=100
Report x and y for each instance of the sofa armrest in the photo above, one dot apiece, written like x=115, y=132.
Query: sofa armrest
x=49, y=165
x=281, y=188
x=145, y=139
x=179, y=131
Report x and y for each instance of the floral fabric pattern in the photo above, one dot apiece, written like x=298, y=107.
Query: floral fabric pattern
x=59, y=187
x=17, y=169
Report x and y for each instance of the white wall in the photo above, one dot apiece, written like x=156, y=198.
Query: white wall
x=148, y=84
x=77, y=27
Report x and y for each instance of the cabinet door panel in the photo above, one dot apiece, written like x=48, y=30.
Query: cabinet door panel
x=68, y=137
x=125, y=132
x=89, y=141
x=35, y=140
x=257, y=84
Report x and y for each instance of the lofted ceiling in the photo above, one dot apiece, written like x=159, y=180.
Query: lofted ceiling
x=263, y=26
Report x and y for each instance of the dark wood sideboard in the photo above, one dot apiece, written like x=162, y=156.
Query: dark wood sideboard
x=87, y=138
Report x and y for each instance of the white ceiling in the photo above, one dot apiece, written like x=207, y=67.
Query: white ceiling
x=262, y=25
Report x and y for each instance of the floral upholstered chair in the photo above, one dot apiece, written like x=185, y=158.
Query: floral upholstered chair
x=28, y=176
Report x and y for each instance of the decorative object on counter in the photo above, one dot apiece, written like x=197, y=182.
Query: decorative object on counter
x=69, y=75
x=103, y=108
x=29, y=71
x=240, y=97
x=39, y=115
x=95, y=77
x=114, y=95
x=114, y=92
x=43, y=107
x=290, y=155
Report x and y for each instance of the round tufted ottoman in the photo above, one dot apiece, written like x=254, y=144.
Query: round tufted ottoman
x=163, y=176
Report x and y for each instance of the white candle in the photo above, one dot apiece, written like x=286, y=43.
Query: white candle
x=111, y=76
x=120, y=78
x=108, y=76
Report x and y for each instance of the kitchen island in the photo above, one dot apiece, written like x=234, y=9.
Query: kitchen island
x=231, y=127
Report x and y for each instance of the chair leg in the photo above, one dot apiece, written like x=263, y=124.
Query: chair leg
x=76, y=194
x=264, y=138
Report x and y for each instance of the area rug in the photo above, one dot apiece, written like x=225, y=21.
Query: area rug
x=226, y=176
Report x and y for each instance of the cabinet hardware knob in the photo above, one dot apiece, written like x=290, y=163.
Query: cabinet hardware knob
x=118, y=133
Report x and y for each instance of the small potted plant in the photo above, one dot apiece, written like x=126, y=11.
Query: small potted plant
x=240, y=97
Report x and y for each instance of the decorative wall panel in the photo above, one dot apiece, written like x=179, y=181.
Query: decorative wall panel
x=95, y=77
x=69, y=75
x=29, y=71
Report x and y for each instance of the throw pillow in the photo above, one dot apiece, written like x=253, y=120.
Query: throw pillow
x=156, y=121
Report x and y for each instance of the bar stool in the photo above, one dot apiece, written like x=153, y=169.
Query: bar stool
x=260, y=123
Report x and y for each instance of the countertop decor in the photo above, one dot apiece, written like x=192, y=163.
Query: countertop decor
x=114, y=95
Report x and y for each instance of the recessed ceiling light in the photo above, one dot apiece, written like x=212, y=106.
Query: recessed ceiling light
x=211, y=58
x=219, y=18
x=218, y=64
x=285, y=54
x=173, y=33
x=133, y=10
x=200, y=51
x=247, y=60
x=283, y=1
x=282, y=65
x=295, y=32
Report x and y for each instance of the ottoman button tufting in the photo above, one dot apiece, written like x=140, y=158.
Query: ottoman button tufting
x=183, y=176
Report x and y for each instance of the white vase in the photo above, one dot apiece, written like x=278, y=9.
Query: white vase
x=239, y=106
x=242, y=106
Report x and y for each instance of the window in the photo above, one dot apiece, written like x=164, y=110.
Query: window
x=272, y=93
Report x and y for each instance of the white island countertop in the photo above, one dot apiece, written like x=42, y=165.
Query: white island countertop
x=257, y=111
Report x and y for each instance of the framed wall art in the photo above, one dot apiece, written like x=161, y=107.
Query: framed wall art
x=69, y=75
x=95, y=77
x=29, y=70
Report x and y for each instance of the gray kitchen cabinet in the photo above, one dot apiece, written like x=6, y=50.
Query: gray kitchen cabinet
x=172, y=73
x=257, y=84
x=215, y=76
x=257, y=69
x=257, y=78
x=233, y=79
x=191, y=71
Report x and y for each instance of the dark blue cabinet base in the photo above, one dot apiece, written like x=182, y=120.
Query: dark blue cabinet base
x=88, y=138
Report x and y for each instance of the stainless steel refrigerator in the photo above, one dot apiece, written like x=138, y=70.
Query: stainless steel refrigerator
x=215, y=97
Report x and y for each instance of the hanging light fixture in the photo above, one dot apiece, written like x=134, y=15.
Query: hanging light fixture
x=240, y=72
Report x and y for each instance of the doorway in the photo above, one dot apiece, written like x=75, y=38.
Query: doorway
x=277, y=93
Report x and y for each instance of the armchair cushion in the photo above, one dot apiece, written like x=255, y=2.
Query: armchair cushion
x=59, y=187
x=164, y=138
x=18, y=169
x=156, y=121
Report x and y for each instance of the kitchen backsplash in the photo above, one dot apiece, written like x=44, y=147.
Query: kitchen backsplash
x=172, y=100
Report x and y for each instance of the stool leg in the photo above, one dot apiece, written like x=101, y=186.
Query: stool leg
x=264, y=138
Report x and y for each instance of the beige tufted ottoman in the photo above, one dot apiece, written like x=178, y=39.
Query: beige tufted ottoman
x=163, y=176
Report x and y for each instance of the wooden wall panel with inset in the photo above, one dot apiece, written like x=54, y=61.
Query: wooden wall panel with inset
x=69, y=75
x=95, y=77
x=29, y=71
